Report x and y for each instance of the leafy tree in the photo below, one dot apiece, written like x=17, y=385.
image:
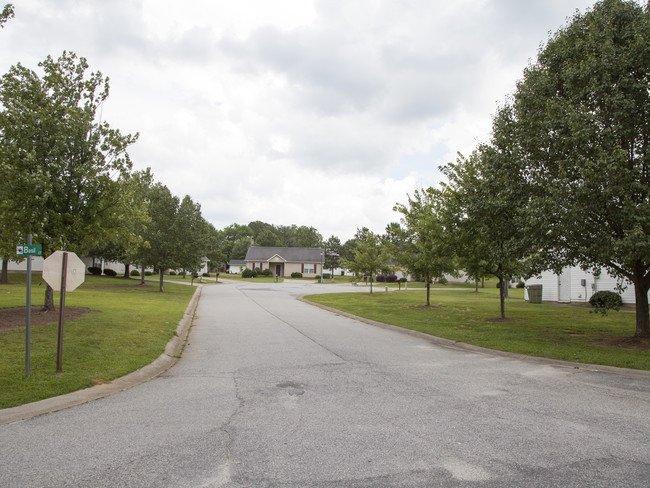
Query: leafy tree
x=214, y=254
x=485, y=207
x=128, y=224
x=583, y=124
x=332, y=253
x=59, y=166
x=232, y=234
x=267, y=238
x=193, y=235
x=240, y=248
x=347, y=249
x=287, y=235
x=369, y=256
x=424, y=244
x=161, y=233
x=6, y=14
x=308, y=237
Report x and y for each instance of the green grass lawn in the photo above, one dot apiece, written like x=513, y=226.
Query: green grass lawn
x=129, y=328
x=566, y=332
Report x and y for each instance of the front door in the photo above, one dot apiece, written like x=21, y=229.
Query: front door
x=278, y=270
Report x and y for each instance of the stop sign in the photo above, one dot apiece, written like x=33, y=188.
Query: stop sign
x=75, y=275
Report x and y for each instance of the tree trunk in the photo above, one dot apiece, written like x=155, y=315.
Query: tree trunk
x=127, y=269
x=370, y=284
x=162, y=273
x=642, y=317
x=48, y=304
x=483, y=282
x=4, y=276
x=476, y=282
x=428, y=292
x=502, y=298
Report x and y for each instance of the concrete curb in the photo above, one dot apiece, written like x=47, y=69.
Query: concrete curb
x=165, y=361
x=462, y=346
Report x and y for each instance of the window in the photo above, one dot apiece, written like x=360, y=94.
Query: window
x=310, y=268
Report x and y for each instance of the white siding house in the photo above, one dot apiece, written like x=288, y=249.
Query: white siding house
x=574, y=284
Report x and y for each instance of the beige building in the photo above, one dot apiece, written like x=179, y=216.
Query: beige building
x=282, y=261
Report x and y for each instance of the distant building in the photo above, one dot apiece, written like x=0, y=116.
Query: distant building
x=282, y=261
x=574, y=284
x=236, y=266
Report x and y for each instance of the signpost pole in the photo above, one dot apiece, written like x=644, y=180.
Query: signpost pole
x=59, y=349
x=29, y=310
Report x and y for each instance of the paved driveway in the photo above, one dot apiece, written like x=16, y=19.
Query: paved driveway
x=272, y=392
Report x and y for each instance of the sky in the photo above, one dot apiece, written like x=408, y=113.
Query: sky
x=323, y=113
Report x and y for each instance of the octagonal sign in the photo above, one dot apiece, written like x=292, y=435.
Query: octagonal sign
x=75, y=275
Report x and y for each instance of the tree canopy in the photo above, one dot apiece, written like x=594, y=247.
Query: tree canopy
x=582, y=117
x=423, y=244
x=61, y=168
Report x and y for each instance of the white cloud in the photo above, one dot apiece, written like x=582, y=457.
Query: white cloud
x=322, y=112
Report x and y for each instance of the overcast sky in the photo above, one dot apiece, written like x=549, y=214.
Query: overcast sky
x=311, y=112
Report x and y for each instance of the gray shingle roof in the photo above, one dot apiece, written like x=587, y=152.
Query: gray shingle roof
x=290, y=254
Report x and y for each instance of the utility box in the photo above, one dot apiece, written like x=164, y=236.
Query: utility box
x=534, y=293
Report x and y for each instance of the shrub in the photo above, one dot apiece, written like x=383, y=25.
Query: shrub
x=327, y=276
x=95, y=270
x=248, y=273
x=267, y=272
x=391, y=278
x=317, y=277
x=603, y=301
x=403, y=280
x=206, y=275
x=443, y=281
x=148, y=273
x=296, y=274
x=110, y=272
x=135, y=272
x=521, y=284
x=381, y=278
x=172, y=273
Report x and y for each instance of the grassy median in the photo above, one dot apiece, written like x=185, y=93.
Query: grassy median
x=127, y=327
x=566, y=332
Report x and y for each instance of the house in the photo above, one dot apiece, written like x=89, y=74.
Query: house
x=282, y=261
x=574, y=284
x=236, y=266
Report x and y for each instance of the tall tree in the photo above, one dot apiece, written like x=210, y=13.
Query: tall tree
x=59, y=165
x=124, y=242
x=192, y=234
x=161, y=233
x=485, y=208
x=583, y=116
x=332, y=253
x=369, y=256
x=308, y=237
x=426, y=247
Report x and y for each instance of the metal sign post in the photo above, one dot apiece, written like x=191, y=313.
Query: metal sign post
x=29, y=310
x=28, y=250
x=64, y=272
x=59, y=347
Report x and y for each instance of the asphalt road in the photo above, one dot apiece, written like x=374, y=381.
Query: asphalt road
x=273, y=392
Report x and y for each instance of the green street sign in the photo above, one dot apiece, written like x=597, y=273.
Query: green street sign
x=29, y=250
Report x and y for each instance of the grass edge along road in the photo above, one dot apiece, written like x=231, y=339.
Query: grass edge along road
x=563, y=332
x=128, y=328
